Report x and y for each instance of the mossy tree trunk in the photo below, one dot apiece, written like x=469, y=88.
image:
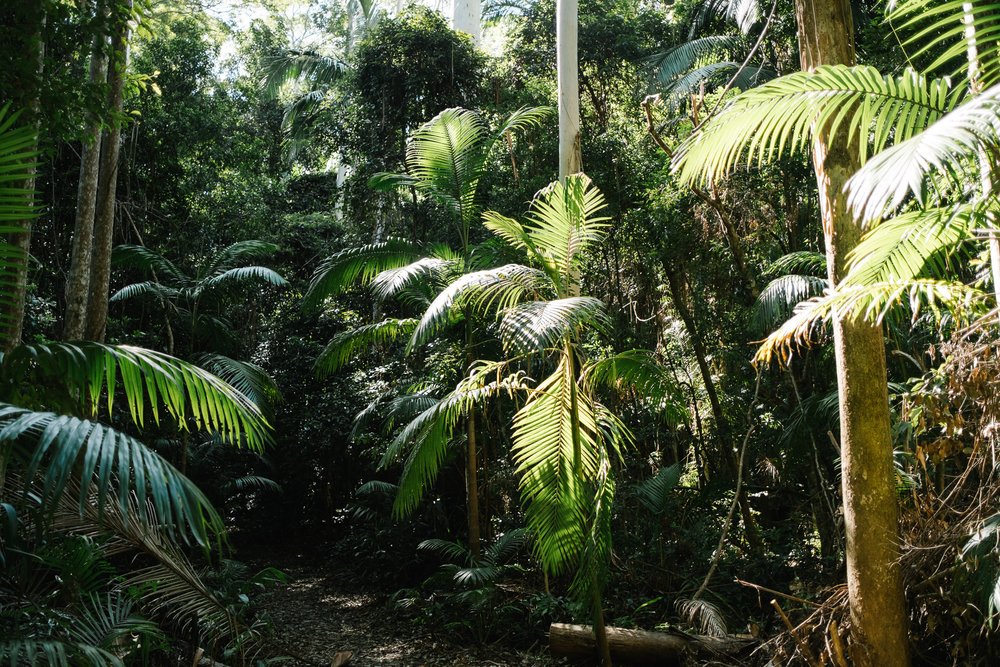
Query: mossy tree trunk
x=878, y=609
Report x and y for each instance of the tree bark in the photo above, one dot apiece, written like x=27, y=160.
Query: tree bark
x=13, y=313
x=567, y=72
x=878, y=607
x=100, y=277
x=78, y=279
x=641, y=647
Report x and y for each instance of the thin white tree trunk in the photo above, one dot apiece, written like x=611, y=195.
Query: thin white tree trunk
x=570, y=160
x=466, y=16
x=78, y=279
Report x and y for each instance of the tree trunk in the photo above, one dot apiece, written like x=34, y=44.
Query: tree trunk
x=466, y=16
x=641, y=647
x=100, y=277
x=12, y=316
x=78, y=279
x=570, y=159
x=878, y=607
x=472, y=486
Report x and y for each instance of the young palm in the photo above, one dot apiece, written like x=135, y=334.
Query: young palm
x=196, y=298
x=564, y=439
x=446, y=158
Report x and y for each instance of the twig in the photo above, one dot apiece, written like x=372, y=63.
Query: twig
x=803, y=647
x=765, y=589
x=736, y=496
x=838, y=647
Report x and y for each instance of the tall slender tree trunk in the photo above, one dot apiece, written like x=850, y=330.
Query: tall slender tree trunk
x=878, y=606
x=471, y=459
x=104, y=226
x=567, y=72
x=466, y=16
x=13, y=311
x=78, y=279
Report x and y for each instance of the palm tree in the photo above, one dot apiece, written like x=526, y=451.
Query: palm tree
x=446, y=159
x=63, y=469
x=196, y=297
x=564, y=439
x=942, y=136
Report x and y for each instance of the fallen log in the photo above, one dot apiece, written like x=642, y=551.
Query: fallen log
x=642, y=647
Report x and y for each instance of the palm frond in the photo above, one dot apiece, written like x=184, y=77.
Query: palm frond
x=249, y=379
x=523, y=119
x=871, y=302
x=805, y=262
x=654, y=493
x=557, y=469
x=638, y=373
x=55, y=653
x=140, y=257
x=452, y=552
x=346, y=345
x=392, y=281
x=563, y=224
x=495, y=10
x=358, y=265
x=170, y=589
x=159, y=291
x=949, y=148
x=149, y=380
x=480, y=291
x=430, y=433
x=67, y=453
x=232, y=256
x=763, y=123
x=18, y=206
x=944, y=29
x=536, y=326
x=670, y=64
x=913, y=245
x=243, y=274
x=108, y=619
x=295, y=66
x=777, y=301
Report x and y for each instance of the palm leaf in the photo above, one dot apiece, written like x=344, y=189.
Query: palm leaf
x=536, y=326
x=140, y=257
x=777, y=301
x=358, y=265
x=67, y=453
x=763, y=123
x=345, y=346
x=943, y=29
x=950, y=148
x=391, y=282
x=654, y=493
x=870, y=302
x=18, y=206
x=149, y=380
x=639, y=373
x=479, y=291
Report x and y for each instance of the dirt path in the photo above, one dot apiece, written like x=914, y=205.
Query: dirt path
x=317, y=614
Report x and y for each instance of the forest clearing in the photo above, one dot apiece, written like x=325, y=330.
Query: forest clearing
x=499, y=333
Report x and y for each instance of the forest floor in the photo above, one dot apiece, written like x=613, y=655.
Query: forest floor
x=322, y=610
